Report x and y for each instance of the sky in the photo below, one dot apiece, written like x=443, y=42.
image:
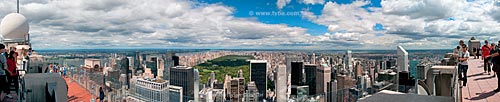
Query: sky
x=257, y=24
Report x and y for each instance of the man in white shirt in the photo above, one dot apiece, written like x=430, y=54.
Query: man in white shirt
x=463, y=65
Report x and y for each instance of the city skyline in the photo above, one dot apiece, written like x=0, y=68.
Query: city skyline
x=275, y=24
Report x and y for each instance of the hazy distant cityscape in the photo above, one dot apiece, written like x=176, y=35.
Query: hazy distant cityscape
x=127, y=74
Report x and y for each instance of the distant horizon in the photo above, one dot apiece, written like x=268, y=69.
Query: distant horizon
x=226, y=49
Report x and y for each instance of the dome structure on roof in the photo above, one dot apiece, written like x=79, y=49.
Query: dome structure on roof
x=14, y=26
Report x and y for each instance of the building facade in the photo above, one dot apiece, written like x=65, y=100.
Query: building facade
x=258, y=74
x=183, y=76
x=152, y=89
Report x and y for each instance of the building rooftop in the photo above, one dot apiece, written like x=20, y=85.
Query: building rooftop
x=77, y=93
x=182, y=67
x=258, y=61
x=391, y=96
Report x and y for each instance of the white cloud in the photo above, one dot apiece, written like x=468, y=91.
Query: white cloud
x=415, y=23
x=179, y=23
x=282, y=3
x=313, y=2
x=156, y=23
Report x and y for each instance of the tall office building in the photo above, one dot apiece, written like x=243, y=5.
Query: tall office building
x=183, y=76
x=281, y=86
x=358, y=69
x=258, y=74
x=322, y=78
x=123, y=65
x=251, y=94
x=211, y=80
x=289, y=59
x=237, y=88
x=297, y=73
x=402, y=59
x=313, y=59
x=137, y=63
x=196, y=84
x=152, y=63
x=341, y=91
x=152, y=89
x=310, y=71
x=176, y=60
x=297, y=77
x=175, y=93
x=206, y=95
x=348, y=60
x=331, y=95
x=168, y=64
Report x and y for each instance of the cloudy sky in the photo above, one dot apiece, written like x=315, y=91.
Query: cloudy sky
x=267, y=24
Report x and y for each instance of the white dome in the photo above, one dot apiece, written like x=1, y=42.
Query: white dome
x=14, y=26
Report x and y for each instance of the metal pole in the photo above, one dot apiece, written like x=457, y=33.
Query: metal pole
x=17, y=6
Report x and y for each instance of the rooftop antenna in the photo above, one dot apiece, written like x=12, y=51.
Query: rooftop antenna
x=17, y=6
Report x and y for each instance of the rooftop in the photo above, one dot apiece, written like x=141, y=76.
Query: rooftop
x=77, y=93
x=182, y=67
x=258, y=61
x=391, y=96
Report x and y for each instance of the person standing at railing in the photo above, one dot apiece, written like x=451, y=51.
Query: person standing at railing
x=459, y=51
x=464, y=65
x=4, y=86
x=486, y=51
x=12, y=75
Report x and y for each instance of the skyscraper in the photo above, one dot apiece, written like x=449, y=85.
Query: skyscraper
x=258, y=74
x=347, y=60
x=168, y=64
x=176, y=60
x=310, y=71
x=152, y=63
x=183, y=76
x=123, y=65
x=313, y=59
x=237, y=88
x=152, y=89
x=211, y=81
x=175, y=93
x=402, y=59
x=251, y=95
x=137, y=62
x=297, y=73
x=196, y=84
x=322, y=78
x=281, y=81
x=331, y=94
